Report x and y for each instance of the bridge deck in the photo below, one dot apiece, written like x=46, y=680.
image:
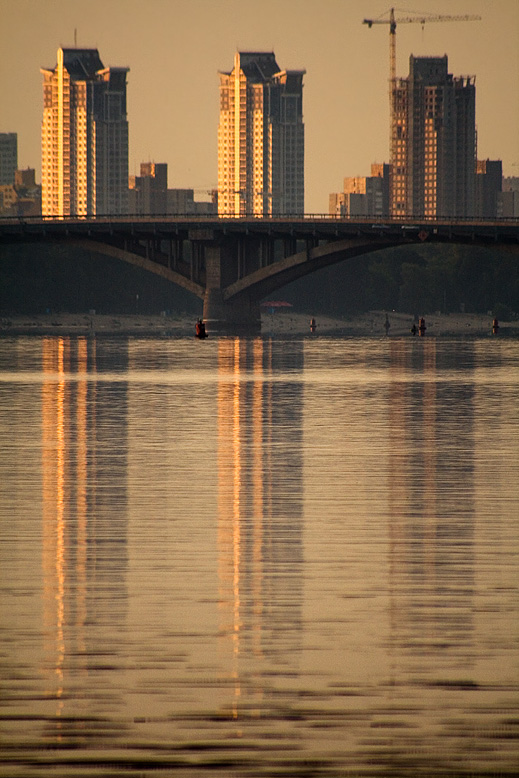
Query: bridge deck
x=210, y=227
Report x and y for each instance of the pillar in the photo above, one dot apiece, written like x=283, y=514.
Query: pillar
x=239, y=313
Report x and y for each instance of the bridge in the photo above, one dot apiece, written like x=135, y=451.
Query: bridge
x=232, y=264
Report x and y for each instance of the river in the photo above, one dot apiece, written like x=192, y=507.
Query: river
x=259, y=556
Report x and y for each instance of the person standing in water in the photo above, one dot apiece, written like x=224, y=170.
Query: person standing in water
x=200, y=329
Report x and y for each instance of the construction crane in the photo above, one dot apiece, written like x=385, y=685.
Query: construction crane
x=421, y=18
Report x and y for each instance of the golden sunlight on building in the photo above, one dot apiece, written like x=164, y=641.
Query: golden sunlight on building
x=260, y=138
x=84, y=136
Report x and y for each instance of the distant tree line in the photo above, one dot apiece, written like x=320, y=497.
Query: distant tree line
x=38, y=278
x=416, y=280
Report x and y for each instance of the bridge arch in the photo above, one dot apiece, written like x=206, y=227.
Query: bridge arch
x=150, y=265
x=266, y=280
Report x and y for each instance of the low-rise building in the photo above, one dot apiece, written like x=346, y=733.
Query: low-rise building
x=489, y=184
x=184, y=202
x=23, y=197
x=363, y=195
x=148, y=192
x=508, y=199
x=149, y=195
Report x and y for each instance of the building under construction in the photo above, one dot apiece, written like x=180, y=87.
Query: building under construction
x=433, y=142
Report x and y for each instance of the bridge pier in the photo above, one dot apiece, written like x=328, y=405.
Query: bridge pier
x=240, y=312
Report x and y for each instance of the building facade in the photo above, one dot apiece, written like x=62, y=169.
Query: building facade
x=508, y=199
x=149, y=195
x=84, y=142
x=260, y=138
x=182, y=202
x=363, y=195
x=149, y=192
x=8, y=157
x=433, y=142
x=28, y=193
x=23, y=198
x=489, y=185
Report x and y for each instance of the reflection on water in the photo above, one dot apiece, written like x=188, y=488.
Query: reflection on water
x=260, y=497
x=259, y=557
x=84, y=516
x=432, y=517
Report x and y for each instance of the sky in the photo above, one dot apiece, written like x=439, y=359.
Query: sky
x=175, y=48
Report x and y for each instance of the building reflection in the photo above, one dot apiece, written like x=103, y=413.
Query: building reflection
x=260, y=511
x=84, y=497
x=431, y=504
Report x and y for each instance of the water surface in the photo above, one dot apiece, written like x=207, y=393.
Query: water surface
x=259, y=557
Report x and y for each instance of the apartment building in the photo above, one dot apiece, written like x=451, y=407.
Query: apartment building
x=84, y=141
x=260, y=138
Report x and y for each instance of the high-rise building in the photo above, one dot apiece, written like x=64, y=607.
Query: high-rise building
x=84, y=142
x=260, y=138
x=433, y=154
x=8, y=157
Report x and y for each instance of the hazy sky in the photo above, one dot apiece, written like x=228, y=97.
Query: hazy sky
x=174, y=49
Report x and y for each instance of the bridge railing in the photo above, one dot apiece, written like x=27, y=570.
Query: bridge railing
x=378, y=221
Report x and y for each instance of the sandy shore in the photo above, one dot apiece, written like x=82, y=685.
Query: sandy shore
x=290, y=323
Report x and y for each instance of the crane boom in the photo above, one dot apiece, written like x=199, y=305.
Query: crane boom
x=423, y=19
x=418, y=18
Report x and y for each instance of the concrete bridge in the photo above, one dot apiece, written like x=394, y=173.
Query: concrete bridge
x=232, y=264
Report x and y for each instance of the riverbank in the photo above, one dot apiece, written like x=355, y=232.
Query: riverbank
x=374, y=323
x=87, y=324
x=289, y=323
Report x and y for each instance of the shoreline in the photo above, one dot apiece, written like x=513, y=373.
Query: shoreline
x=367, y=324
